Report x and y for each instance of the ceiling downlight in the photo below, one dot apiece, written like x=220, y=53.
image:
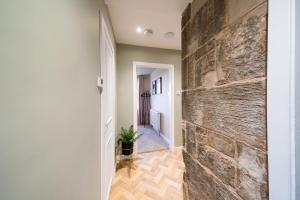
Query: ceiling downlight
x=148, y=32
x=169, y=35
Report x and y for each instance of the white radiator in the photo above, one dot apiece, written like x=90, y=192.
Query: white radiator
x=155, y=120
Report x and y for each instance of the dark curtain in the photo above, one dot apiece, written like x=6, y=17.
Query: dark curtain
x=144, y=99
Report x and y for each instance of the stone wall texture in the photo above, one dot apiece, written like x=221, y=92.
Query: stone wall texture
x=224, y=99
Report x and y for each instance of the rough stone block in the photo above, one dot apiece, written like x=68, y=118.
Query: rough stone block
x=195, y=6
x=184, y=73
x=206, y=74
x=202, y=154
x=221, y=166
x=241, y=48
x=220, y=15
x=248, y=188
x=191, y=72
x=252, y=161
x=203, y=24
x=188, y=72
x=205, y=69
x=237, y=110
x=198, y=73
x=186, y=15
x=252, y=172
x=200, y=183
x=188, y=161
x=191, y=140
x=186, y=40
x=201, y=136
x=223, y=192
x=184, y=138
x=201, y=29
x=221, y=143
x=205, y=49
x=207, y=21
x=237, y=8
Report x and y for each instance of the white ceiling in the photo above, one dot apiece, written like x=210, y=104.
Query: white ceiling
x=144, y=71
x=159, y=15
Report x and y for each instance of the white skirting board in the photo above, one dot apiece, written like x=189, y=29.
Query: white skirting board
x=165, y=139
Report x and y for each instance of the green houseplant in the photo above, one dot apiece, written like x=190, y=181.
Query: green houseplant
x=127, y=137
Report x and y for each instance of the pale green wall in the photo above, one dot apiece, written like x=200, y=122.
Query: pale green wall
x=50, y=106
x=126, y=54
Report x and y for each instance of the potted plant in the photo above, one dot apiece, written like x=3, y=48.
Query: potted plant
x=127, y=137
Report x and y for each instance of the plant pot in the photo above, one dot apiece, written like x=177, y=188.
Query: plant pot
x=127, y=149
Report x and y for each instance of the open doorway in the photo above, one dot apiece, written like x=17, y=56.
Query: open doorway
x=153, y=106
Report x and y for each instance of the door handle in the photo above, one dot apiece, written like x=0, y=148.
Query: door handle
x=100, y=82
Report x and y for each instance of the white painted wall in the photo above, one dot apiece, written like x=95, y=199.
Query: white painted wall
x=297, y=95
x=160, y=102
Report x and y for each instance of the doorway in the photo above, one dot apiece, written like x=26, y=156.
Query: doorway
x=153, y=101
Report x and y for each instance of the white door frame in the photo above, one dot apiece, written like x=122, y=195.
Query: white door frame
x=104, y=35
x=170, y=67
x=281, y=99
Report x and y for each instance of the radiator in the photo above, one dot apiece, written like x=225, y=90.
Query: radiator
x=155, y=120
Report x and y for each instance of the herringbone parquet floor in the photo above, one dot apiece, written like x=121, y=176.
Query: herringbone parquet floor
x=149, y=176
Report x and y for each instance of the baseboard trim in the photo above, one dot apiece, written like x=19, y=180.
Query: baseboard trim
x=165, y=139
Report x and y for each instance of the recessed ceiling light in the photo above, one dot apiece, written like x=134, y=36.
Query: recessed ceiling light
x=139, y=29
x=148, y=32
x=169, y=35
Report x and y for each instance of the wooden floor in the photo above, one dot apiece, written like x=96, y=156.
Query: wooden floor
x=149, y=176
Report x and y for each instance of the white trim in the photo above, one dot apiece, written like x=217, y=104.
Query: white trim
x=108, y=188
x=104, y=34
x=180, y=147
x=165, y=139
x=296, y=103
x=170, y=67
x=281, y=99
x=293, y=100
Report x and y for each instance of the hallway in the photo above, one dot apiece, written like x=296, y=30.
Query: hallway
x=150, y=141
x=216, y=82
x=149, y=176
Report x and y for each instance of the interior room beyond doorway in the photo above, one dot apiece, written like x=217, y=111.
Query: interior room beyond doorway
x=153, y=111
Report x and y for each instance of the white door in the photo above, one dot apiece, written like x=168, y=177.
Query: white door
x=107, y=112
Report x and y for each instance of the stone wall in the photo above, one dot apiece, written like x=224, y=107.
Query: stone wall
x=224, y=99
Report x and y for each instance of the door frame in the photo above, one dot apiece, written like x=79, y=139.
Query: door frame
x=281, y=98
x=104, y=35
x=171, y=69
